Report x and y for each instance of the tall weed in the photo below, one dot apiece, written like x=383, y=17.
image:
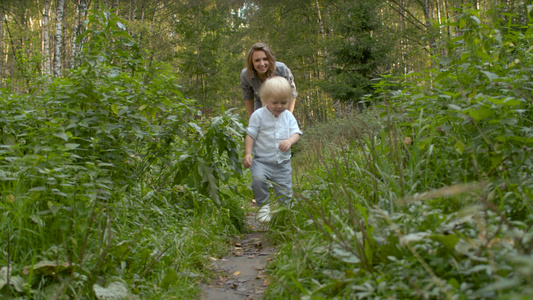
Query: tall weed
x=436, y=203
x=97, y=194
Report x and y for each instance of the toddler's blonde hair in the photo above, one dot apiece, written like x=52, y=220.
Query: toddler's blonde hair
x=277, y=87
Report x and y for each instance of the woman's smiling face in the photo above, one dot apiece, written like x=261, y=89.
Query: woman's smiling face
x=261, y=62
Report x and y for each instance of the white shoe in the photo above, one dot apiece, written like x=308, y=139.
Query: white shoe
x=263, y=215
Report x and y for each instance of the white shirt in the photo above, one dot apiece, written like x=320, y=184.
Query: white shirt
x=268, y=131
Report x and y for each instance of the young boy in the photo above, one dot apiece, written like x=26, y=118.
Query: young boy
x=271, y=132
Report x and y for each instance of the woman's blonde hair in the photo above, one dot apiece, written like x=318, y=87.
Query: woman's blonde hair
x=250, y=70
x=277, y=87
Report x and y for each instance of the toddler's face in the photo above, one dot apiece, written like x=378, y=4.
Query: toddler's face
x=276, y=106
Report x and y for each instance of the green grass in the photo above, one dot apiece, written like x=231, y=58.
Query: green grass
x=377, y=217
x=156, y=246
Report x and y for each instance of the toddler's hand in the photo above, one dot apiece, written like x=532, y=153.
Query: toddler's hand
x=247, y=161
x=285, y=145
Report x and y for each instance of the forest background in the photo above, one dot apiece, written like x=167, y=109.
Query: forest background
x=122, y=127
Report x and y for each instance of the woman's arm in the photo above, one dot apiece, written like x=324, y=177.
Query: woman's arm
x=250, y=105
x=291, y=106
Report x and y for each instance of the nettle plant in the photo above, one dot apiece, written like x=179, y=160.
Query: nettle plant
x=470, y=119
x=75, y=156
x=475, y=105
x=446, y=214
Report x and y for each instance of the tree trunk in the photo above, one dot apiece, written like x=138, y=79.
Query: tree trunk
x=58, y=37
x=81, y=13
x=337, y=106
x=522, y=13
x=426, y=7
x=322, y=33
x=130, y=10
x=116, y=7
x=198, y=41
x=134, y=13
x=320, y=23
x=2, y=47
x=47, y=61
x=142, y=10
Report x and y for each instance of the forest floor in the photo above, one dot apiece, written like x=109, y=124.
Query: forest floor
x=241, y=273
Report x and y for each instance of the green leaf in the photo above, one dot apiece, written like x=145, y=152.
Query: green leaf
x=53, y=208
x=481, y=113
x=459, y=147
x=491, y=76
x=120, y=249
x=208, y=177
x=115, y=290
x=509, y=101
x=113, y=74
x=114, y=108
x=38, y=189
x=9, y=139
x=453, y=282
x=501, y=284
x=170, y=278
x=345, y=256
x=455, y=107
x=3, y=277
x=62, y=135
x=197, y=128
x=508, y=121
x=18, y=283
x=448, y=241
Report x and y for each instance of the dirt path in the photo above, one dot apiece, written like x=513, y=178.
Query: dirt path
x=241, y=273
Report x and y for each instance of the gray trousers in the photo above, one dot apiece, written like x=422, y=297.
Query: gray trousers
x=264, y=173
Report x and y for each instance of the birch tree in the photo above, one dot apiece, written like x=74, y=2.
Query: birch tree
x=1, y=44
x=58, y=37
x=47, y=62
x=81, y=14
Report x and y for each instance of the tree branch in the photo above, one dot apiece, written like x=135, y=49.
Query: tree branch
x=408, y=12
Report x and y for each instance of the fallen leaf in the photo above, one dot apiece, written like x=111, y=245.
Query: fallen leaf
x=212, y=258
x=47, y=267
x=266, y=282
x=237, y=273
x=238, y=245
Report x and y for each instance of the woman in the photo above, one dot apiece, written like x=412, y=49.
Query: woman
x=260, y=65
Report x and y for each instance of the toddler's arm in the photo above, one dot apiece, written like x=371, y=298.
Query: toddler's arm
x=248, y=145
x=287, y=144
